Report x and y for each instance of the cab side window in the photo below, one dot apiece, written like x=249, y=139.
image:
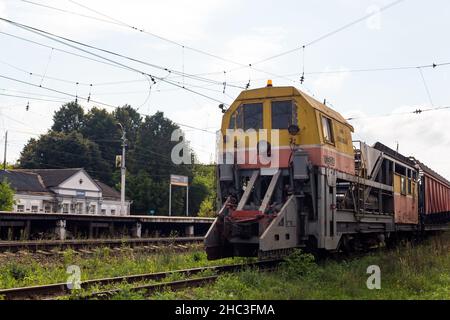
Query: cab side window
x=327, y=127
x=237, y=119
x=232, y=123
x=253, y=116
x=282, y=114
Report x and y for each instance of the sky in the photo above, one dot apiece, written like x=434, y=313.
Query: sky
x=410, y=33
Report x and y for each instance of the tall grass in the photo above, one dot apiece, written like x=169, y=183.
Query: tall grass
x=407, y=272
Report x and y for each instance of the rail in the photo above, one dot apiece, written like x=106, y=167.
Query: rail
x=61, y=289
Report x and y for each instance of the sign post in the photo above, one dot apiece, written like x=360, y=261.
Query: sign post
x=181, y=181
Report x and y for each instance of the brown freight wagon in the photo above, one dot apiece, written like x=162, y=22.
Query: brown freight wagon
x=434, y=197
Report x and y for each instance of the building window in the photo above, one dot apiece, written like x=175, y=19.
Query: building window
x=72, y=208
x=327, y=126
x=65, y=208
x=253, y=116
x=34, y=209
x=92, y=209
x=79, y=208
x=103, y=211
x=47, y=208
x=113, y=212
x=281, y=114
x=20, y=208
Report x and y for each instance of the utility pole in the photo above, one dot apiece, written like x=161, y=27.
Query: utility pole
x=187, y=200
x=122, y=172
x=6, y=148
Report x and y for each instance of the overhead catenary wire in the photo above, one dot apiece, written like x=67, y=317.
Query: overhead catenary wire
x=85, y=99
x=100, y=84
x=362, y=70
x=111, y=62
x=56, y=91
x=91, y=59
x=57, y=38
x=183, y=46
x=426, y=86
x=61, y=50
x=331, y=33
x=46, y=67
x=30, y=98
x=418, y=111
x=61, y=40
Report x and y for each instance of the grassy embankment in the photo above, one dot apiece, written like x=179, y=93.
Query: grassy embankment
x=407, y=272
x=19, y=271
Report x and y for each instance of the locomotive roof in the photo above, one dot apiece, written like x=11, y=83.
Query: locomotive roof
x=289, y=91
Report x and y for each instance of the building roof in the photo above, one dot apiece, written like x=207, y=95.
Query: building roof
x=53, y=177
x=42, y=180
x=107, y=191
x=23, y=181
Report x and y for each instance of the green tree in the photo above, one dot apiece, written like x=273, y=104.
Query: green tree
x=101, y=127
x=6, y=196
x=204, y=190
x=153, y=148
x=152, y=155
x=92, y=140
x=131, y=121
x=70, y=117
x=148, y=194
x=61, y=150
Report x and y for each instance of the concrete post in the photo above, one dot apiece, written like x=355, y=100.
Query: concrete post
x=189, y=230
x=137, y=230
x=111, y=229
x=91, y=230
x=60, y=229
x=27, y=230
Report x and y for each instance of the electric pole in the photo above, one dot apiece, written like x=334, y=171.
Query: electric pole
x=122, y=172
x=6, y=148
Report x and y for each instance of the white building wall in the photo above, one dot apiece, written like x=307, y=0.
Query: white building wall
x=25, y=202
x=79, y=181
x=112, y=208
x=77, y=195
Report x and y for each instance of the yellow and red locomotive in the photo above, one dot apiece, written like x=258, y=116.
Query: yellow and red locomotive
x=289, y=176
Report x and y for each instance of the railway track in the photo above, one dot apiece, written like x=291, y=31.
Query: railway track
x=61, y=289
x=56, y=246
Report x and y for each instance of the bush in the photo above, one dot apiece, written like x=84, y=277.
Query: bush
x=299, y=264
x=6, y=196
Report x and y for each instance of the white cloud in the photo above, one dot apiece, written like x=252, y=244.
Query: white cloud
x=424, y=136
x=177, y=20
x=329, y=82
x=256, y=44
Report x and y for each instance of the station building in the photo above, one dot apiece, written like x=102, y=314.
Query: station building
x=66, y=191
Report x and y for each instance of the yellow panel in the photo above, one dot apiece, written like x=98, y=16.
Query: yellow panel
x=309, y=112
